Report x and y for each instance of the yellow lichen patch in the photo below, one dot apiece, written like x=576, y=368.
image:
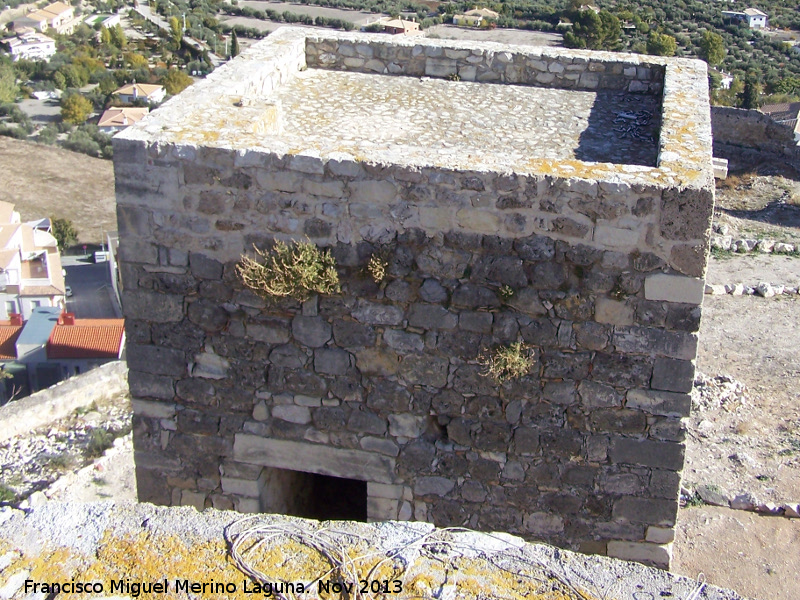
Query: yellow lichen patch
x=480, y=578
x=289, y=561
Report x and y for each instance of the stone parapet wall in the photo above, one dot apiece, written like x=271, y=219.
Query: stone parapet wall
x=58, y=401
x=383, y=383
x=739, y=132
x=486, y=62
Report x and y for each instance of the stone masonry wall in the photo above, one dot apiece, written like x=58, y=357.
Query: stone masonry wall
x=739, y=132
x=531, y=66
x=382, y=382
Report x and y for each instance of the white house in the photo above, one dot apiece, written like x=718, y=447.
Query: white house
x=32, y=46
x=754, y=18
x=477, y=17
x=118, y=118
x=30, y=267
x=58, y=16
x=152, y=94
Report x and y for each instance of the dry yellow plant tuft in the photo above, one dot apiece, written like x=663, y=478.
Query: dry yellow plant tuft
x=297, y=270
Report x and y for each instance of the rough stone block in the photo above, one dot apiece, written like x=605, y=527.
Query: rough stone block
x=272, y=331
x=674, y=288
x=156, y=360
x=543, y=525
x=247, y=488
x=292, y=413
x=331, y=361
x=382, y=509
x=613, y=312
x=666, y=455
x=660, y=535
x=196, y=499
x=372, y=192
x=152, y=410
x=373, y=313
x=431, y=316
x=652, y=554
x=299, y=456
x=382, y=490
x=152, y=306
x=146, y=385
x=686, y=214
x=673, y=375
x=313, y=332
x=407, y=426
x=646, y=340
x=646, y=510
x=204, y=267
x=379, y=445
x=425, y=370
x=667, y=404
x=433, y=486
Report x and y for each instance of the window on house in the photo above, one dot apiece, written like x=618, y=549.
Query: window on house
x=11, y=307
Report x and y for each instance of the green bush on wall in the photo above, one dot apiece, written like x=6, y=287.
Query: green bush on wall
x=297, y=270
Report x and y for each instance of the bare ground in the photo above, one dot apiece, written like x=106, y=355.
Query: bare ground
x=44, y=181
x=750, y=443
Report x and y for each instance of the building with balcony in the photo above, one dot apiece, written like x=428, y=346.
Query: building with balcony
x=31, y=46
x=30, y=266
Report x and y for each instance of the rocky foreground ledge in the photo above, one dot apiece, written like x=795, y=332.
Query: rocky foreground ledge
x=108, y=550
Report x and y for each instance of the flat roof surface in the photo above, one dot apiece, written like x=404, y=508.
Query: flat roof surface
x=363, y=114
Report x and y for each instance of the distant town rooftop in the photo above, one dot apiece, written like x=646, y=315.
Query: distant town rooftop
x=437, y=103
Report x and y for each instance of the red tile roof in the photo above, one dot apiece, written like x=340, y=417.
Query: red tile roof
x=8, y=340
x=87, y=338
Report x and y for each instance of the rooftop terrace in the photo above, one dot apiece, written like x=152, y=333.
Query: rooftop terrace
x=436, y=103
x=370, y=114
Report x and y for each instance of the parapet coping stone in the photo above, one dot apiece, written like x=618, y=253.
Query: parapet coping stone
x=105, y=541
x=229, y=108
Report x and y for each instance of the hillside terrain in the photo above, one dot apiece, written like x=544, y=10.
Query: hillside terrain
x=45, y=181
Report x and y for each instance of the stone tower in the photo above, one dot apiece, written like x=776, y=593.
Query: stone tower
x=559, y=198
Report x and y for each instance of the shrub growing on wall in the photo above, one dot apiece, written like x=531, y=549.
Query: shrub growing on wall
x=297, y=270
x=508, y=362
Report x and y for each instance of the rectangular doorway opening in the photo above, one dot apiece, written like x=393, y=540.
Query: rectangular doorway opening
x=313, y=496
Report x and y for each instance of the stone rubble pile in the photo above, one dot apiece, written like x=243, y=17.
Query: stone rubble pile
x=745, y=501
x=724, y=241
x=721, y=391
x=33, y=462
x=763, y=289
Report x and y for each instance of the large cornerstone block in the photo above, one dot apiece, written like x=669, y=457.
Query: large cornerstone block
x=558, y=198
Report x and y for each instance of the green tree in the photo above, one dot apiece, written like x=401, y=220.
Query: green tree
x=234, y=44
x=105, y=36
x=75, y=109
x=712, y=48
x=596, y=31
x=8, y=83
x=751, y=93
x=176, y=31
x=64, y=232
x=661, y=44
x=175, y=81
x=117, y=36
x=135, y=61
